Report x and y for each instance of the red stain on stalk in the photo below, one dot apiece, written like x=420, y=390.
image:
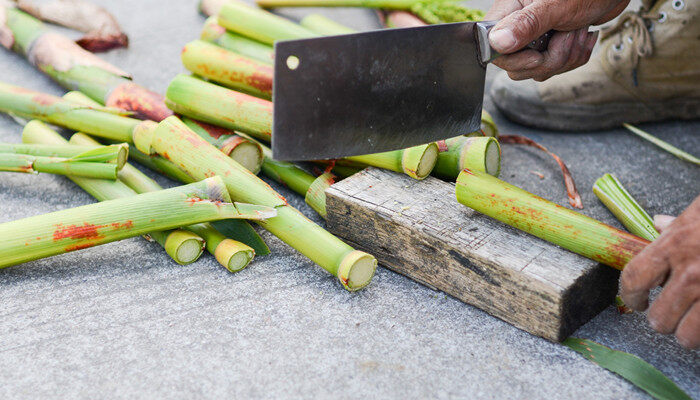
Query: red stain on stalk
x=145, y=103
x=86, y=231
x=96, y=44
x=44, y=99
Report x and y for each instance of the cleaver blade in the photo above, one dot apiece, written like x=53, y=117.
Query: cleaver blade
x=377, y=91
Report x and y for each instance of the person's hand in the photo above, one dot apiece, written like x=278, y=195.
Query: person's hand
x=522, y=21
x=672, y=260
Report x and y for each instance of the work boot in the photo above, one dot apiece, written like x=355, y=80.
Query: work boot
x=647, y=68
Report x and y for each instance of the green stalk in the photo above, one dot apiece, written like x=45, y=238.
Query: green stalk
x=220, y=106
x=322, y=25
x=416, y=162
x=57, y=111
x=116, y=154
x=299, y=181
x=56, y=165
x=630, y=367
x=546, y=220
x=108, y=221
x=229, y=69
x=218, y=35
x=475, y=153
x=431, y=11
x=259, y=24
x=230, y=253
x=625, y=208
x=664, y=145
x=242, y=150
x=183, y=247
x=211, y=7
x=77, y=69
x=353, y=268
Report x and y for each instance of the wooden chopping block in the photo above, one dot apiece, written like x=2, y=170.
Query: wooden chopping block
x=418, y=229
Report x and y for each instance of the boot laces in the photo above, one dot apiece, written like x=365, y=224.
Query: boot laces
x=640, y=21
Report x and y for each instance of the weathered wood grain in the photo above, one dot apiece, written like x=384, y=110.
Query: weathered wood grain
x=418, y=228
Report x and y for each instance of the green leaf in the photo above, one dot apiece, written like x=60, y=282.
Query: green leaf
x=634, y=369
x=242, y=231
x=666, y=146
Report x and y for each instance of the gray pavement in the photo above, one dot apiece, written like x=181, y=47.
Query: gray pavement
x=123, y=321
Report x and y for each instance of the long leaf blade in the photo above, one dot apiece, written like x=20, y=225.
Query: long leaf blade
x=634, y=369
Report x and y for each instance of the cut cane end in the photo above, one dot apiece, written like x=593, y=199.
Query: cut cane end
x=233, y=255
x=184, y=247
x=356, y=270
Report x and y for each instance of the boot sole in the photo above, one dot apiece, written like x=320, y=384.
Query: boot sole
x=565, y=117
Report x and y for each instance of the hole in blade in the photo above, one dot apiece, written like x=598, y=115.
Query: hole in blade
x=292, y=62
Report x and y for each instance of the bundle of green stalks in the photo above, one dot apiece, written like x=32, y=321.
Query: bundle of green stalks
x=247, y=152
x=200, y=159
x=182, y=246
x=77, y=69
x=108, y=221
x=430, y=11
x=546, y=220
x=232, y=254
x=101, y=162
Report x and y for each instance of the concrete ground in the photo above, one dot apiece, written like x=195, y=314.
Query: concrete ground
x=123, y=321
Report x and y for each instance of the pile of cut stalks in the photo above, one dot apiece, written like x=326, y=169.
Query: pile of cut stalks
x=210, y=132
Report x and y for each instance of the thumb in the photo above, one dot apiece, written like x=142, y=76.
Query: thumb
x=661, y=222
x=521, y=27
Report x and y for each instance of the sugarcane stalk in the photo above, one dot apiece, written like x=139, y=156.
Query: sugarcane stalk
x=353, y=268
x=431, y=11
x=231, y=254
x=546, y=220
x=57, y=111
x=401, y=19
x=102, y=29
x=117, y=154
x=220, y=106
x=624, y=207
x=218, y=35
x=244, y=151
x=258, y=24
x=229, y=69
x=108, y=221
x=211, y=7
x=416, y=162
x=322, y=25
x=474, y=153
x=183, y=247
x=56, y=165
x=299, y=181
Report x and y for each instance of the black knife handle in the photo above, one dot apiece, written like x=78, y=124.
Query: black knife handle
x=487, y=53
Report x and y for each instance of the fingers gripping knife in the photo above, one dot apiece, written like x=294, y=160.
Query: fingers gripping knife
x=377, y=91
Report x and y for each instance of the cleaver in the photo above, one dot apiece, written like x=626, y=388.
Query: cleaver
x=370, y=92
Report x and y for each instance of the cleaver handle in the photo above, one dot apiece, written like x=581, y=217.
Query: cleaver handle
x=487, y=54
